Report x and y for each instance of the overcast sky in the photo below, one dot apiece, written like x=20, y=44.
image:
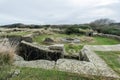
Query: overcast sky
x=57, y=11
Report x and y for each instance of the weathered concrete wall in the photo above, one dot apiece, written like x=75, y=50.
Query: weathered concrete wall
x=13, y=39
x=32, y=52
x=108, y=35
x=95, y=65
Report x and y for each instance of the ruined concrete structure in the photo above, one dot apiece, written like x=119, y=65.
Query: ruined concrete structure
x=52, y=57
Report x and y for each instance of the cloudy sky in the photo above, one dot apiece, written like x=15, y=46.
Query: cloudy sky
x=57, y=11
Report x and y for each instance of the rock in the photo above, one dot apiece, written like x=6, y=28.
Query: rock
x=48, y=40
x=14, y=73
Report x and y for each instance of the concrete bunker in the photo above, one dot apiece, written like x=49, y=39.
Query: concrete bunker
x=30, y=52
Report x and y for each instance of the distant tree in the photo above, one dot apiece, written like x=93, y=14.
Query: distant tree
x=98, y=24
x=102, y=22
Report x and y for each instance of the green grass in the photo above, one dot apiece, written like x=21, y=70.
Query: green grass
x=41, y=74
x=4, y=71
x=70, y=49
x=105, y=41
x=112, y=59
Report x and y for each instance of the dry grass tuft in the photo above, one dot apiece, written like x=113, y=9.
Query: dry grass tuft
x=7, y=53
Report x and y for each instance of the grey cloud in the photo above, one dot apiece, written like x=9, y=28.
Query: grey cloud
x=54, y=11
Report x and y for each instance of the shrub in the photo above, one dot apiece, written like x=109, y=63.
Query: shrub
x=110, y=30
x=85, y=27
x=73, y=30
x=106, y=26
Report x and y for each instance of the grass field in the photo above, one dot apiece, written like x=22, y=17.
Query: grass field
x=77, y=47
x=112, y=59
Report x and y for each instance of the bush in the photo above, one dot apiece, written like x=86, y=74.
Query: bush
x=85, y=27
x=106, y=26
x=72, y=30
x=110, y=30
